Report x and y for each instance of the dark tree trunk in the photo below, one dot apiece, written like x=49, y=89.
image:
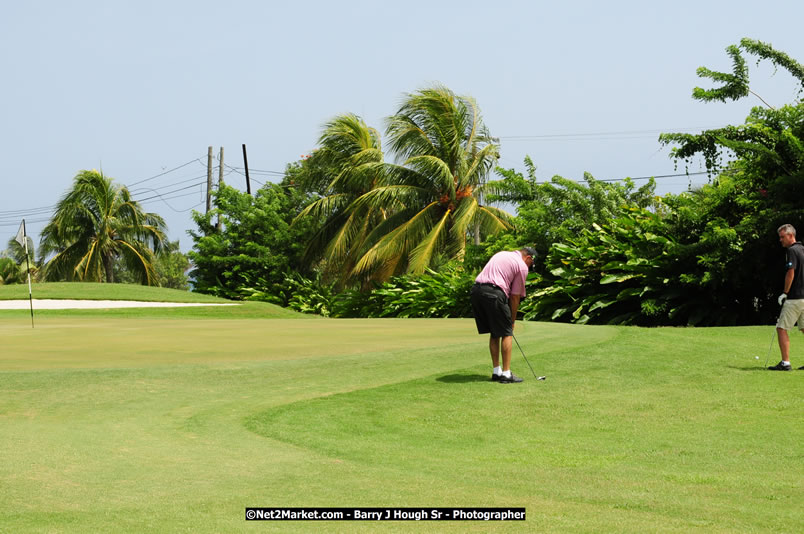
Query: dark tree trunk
x=108, y=266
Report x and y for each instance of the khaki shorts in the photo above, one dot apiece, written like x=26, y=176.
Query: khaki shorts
x=792, y=311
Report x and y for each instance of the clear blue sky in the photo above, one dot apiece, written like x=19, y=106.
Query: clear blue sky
x=138, y=88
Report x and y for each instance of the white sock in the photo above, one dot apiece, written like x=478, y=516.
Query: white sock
x=786, y=364
x=497, y=371
x=507, y=374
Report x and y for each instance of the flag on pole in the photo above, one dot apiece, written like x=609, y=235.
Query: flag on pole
x=22, y=239
x=21, y=236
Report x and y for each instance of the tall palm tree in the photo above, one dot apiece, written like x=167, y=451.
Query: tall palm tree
x=444, y=153
x=350, y=159
x=95, y=223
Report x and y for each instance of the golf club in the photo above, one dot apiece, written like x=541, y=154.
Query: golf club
x=767, y=356
x=526, y=360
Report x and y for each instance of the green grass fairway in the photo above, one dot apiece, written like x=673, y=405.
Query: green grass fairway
x=174, y=423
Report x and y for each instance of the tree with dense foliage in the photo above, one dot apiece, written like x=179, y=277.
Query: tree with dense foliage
x=695, y=258
x=555, y=211
x=420, y=208
x=256, y=247
x=96, y=223
x=732, y=222
x=170, y=269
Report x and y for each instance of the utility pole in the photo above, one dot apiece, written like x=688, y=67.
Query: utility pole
x=220, y=170
x=220, y=182
x=209, y=179
x=245, y=162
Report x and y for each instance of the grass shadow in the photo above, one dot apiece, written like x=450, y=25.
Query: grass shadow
x=753, y=369
x=463, y=378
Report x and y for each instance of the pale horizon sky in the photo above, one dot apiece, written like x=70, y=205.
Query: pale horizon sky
x=140, y=88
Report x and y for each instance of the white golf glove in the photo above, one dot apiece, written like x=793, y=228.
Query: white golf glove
x=782, y=298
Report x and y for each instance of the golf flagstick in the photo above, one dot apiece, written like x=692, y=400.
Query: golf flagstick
x=22, y=239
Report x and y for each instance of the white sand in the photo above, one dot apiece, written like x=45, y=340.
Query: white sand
x=65, y=304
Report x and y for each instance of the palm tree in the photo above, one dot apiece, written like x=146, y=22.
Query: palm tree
x=16, y=253
x=444, y=154
x=10, y=272
x=95, y=223
x=348, y=164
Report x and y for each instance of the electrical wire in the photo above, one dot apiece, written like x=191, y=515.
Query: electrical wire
x=154, y=189
x=27, y=222
x=599, y=136
x=645, y=177
x=166, y=172
x=159, y=195
x=11, y=217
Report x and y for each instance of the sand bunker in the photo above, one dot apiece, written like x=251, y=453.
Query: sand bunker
x=66, y=304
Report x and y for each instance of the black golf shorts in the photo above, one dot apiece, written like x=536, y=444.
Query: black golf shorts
x=491, y=310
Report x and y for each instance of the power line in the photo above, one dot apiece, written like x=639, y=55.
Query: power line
x=166, y=172
x=22, y=213
x=648, y=177
x=164, y=200
x=154, y=189
x=17, y=214
x=629, y=134
x=12, y=217
x=241, y=171
x=258, y=171
x=158, y=195
x=17, y=222
x=658, y=176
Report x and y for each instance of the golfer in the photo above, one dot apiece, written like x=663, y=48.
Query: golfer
x=792, y=299
x=495, y=300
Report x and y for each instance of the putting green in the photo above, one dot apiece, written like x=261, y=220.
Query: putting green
x=101, y=342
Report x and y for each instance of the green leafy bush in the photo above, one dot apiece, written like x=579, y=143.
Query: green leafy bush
x=433, y=294
x=310, y=296
x=555, y=211
x=621, y=272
